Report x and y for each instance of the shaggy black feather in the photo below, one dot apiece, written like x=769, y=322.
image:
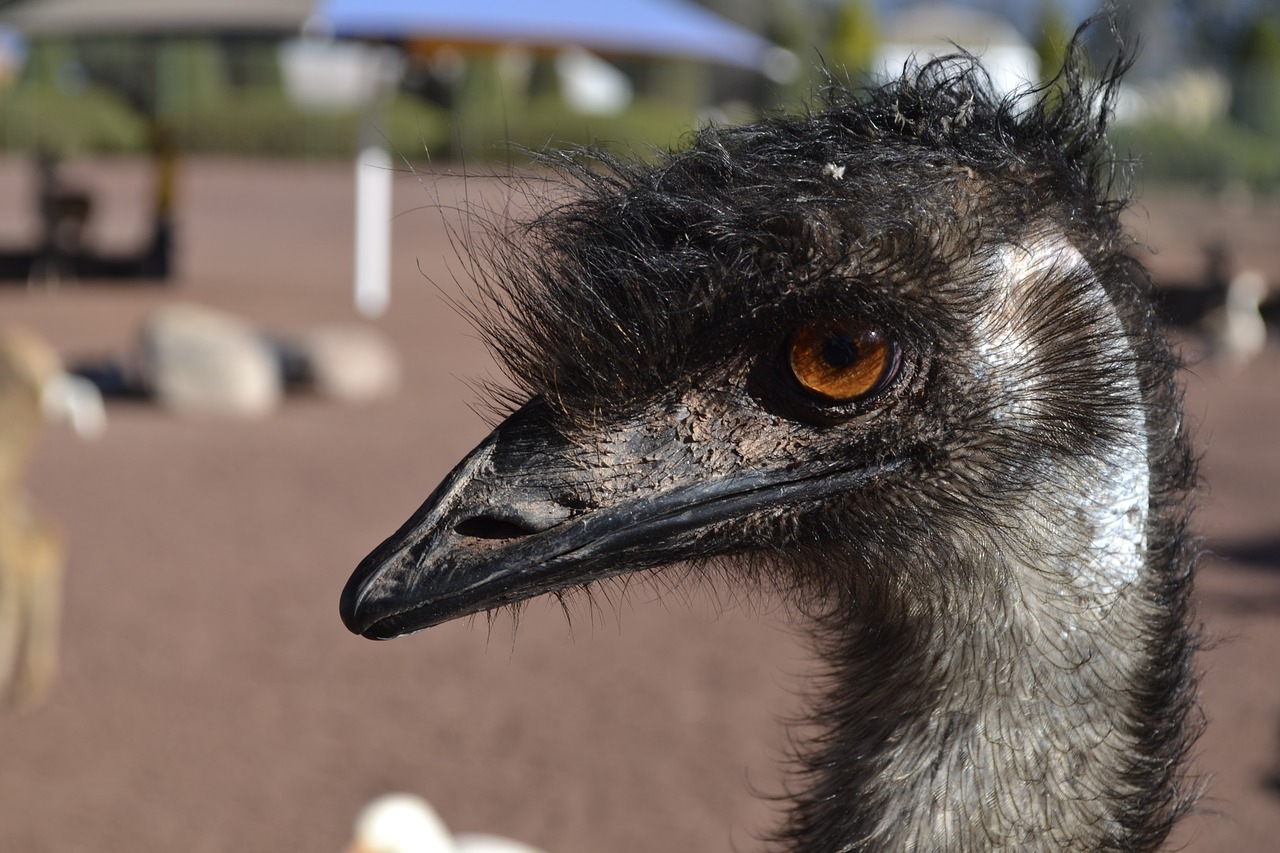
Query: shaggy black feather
x=649, y=275
x=982, y=690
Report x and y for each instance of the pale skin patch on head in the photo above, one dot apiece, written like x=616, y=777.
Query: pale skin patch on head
x=1114, y=486
x=1003, y=341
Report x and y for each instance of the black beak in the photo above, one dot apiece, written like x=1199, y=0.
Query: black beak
x=530, y=512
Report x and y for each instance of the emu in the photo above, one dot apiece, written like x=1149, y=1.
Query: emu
x=891, y=361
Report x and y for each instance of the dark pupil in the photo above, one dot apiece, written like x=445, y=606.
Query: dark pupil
x=839, y=351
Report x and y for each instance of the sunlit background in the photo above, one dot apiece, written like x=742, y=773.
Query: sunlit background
x=229, y=236
x=86, y=78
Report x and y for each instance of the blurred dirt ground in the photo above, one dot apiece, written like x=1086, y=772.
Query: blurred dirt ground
x=210, y=699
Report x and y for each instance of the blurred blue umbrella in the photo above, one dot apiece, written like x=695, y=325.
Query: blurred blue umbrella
x=644, y=27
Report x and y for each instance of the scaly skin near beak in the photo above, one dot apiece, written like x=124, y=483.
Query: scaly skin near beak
x=523, y=514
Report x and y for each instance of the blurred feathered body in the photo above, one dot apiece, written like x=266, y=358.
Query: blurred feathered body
x=989, y=543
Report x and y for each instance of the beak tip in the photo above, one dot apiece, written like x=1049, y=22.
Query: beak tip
x=361, y=613
x=349, y=607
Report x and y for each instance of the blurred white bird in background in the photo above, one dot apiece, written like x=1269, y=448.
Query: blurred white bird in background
x=405, y=823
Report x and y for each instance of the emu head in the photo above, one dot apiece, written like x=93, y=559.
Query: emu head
x=860, y=348
x=891, y=360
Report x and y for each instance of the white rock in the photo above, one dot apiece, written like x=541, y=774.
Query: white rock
x=404, y=823
x=200, y=361
x=353, y=364
x=400, y=823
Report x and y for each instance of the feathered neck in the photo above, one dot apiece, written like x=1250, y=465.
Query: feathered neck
x=990, y=722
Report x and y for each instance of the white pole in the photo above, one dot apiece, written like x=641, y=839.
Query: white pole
x=373, y=230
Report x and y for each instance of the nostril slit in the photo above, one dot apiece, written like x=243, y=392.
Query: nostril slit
x=573, y=503
x=484, y=527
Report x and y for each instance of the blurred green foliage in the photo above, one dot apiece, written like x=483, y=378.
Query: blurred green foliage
x=57, y=109
x=264, y=123
x=545, y=122
x=93, y=120
x=497, y=118
x=854, y=39
x=1243, y=146
x=1214, y=157
x=226, y=97
x=96, y=97
x=1255, y=101
x=1053, y=34
x=254, y=122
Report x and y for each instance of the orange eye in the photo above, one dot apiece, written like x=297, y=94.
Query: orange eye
x=840, y=360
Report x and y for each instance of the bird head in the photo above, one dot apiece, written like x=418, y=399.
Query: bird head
x=829, y=351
